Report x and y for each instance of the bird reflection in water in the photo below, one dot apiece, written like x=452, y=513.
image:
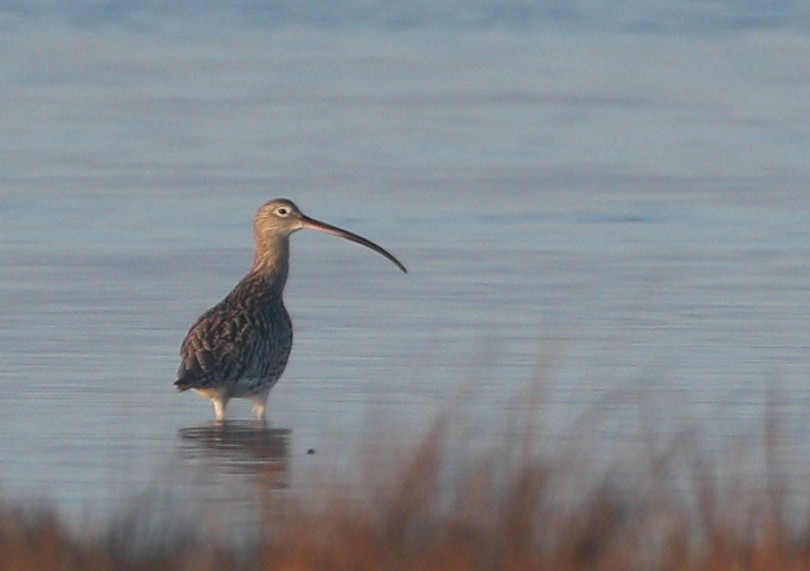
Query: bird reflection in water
x=245, y=448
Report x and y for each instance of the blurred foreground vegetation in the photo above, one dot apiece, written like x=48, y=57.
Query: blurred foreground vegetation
x=509, y=509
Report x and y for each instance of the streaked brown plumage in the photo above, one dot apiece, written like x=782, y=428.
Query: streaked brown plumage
x=239, y=347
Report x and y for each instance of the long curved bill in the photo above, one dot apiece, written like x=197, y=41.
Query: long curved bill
x=312, y=224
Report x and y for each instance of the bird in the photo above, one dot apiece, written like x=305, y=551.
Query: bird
x=240, y=347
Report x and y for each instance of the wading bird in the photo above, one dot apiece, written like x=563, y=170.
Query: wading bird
x=239, y=347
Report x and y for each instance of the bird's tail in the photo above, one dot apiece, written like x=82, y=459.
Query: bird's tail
x=183, y=384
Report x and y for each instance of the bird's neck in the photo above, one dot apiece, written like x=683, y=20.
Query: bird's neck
x=271, y=262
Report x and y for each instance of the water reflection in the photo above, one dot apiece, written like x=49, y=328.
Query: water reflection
x=246, y=448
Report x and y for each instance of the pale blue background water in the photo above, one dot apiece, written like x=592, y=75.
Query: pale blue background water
x=612, y=203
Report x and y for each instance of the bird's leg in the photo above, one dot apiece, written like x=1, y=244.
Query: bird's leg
x=219, y=402
x=259, y=401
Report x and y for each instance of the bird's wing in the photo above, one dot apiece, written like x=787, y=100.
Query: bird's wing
x=217, y=349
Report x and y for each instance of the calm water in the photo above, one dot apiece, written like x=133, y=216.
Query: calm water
x=625, y=218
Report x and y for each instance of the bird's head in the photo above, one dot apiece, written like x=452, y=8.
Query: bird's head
x=279, y=218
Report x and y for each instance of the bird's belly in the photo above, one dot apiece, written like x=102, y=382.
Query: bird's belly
x=209, y=393
x=249, y=386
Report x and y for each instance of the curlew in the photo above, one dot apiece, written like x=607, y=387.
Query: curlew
x=239, y=347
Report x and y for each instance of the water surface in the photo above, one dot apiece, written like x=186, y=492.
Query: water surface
x=622, y=218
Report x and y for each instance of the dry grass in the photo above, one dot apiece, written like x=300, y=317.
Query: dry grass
x=508, y=510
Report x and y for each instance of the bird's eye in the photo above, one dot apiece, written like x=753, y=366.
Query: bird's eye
x=283, y=211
